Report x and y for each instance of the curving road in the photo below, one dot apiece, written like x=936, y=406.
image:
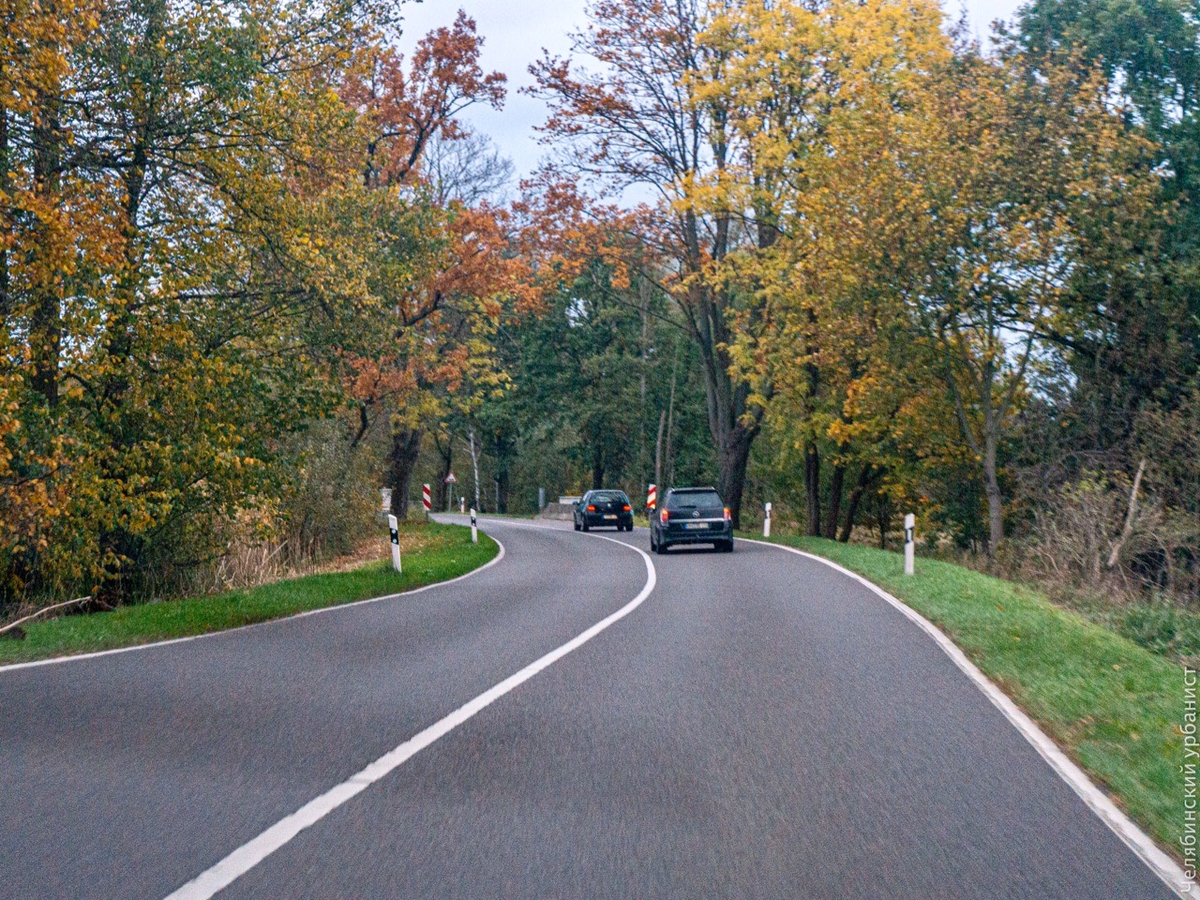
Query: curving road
x=745, y=726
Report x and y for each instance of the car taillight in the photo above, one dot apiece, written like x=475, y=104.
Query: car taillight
x=627, y=508
x=591, y=507
x=728, y=517
x=663, y=516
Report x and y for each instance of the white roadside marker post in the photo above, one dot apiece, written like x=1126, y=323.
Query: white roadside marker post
x=462, y=504
x=395, y=529
x=474, y=530
x=910, y=542
x=767, y=522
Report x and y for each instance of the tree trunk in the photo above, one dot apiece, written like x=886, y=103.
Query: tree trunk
x=474, y=464
x=1130, y=517
x=812, y=488
x=406, y=448
x=446, y=459
x=6, y=224
x=658, y=449
x=503, y=482
x=835, y=501
x=732, y=476
x=644, y=296
x=45, y=323
x=503, y=486
x=732, y=436
x=668, y=460
x=995, y=500
x=883, y=508
x=860, y=488
x=597, y=469
x=731, y=422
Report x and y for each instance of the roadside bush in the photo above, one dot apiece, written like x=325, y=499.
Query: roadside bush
x=1085, y=535
x=325, y=508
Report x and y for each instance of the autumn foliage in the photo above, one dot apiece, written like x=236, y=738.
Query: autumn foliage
x=830, y=254
x=216, y=232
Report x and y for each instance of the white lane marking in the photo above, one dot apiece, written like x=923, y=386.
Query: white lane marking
x=195, y=637
x=246, y=857
x=1137, y=840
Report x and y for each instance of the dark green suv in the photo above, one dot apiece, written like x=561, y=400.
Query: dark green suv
x=691, y=516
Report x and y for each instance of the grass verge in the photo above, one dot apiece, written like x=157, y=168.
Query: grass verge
x=1114, y=707
x=441, y=552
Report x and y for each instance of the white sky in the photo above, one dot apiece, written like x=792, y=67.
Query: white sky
x=515, y=31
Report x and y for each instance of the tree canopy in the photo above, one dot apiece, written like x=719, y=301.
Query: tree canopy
x=256, y=265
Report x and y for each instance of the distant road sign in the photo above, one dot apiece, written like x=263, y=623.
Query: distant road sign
x=450, y=479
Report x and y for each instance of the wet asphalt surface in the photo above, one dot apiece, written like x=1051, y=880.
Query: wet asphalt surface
x=760, y=727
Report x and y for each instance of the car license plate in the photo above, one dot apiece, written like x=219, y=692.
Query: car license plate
x=610, y=517
x=696, y=526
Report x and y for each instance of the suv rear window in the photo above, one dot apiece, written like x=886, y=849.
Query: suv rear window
x=608, y=497
x=695, y=500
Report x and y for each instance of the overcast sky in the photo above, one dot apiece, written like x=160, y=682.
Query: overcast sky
x=515, y=31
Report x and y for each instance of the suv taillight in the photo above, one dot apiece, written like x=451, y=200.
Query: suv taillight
x=728, y=517
x=663, y=516
x=591, y=507
x=627, y=508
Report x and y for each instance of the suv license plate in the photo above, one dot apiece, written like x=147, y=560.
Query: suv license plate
x=610, y=517
x=696, y=526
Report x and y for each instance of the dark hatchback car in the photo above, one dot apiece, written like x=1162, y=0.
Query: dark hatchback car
x=603, y=509
x=691, y=516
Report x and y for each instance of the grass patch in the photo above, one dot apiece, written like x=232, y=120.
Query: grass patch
x=1159, y=625
x=1115, y=707
x=433, y=553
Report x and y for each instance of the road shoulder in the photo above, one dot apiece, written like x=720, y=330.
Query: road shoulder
x=448, y=558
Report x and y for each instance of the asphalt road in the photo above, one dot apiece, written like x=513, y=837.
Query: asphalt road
x=759, y=727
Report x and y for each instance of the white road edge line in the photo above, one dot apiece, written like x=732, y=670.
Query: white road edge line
x=250, y=854
x=208, y=634
x=1137, y=840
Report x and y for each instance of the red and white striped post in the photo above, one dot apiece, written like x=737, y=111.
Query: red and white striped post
x=652, y=497
x=426, y=499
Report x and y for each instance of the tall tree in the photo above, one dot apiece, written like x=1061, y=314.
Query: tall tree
x=1038, y=175
x=404, y=109
x=1131, y=373
x=812, y=97
x=638, y=122
x=153, y=326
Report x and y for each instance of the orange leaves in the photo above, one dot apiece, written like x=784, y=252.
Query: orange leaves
x=481, y=263
x=564, y=231
x=446, y=69
x=403, y=108
x=438, y=277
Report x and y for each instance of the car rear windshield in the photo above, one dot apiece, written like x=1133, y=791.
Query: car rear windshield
x=702, y=500
x=608, y=497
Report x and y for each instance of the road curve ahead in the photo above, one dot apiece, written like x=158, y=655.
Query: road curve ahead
x=759, y=727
